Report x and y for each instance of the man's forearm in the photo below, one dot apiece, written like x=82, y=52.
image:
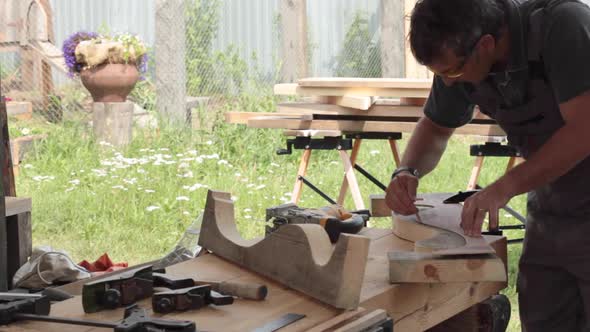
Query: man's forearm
x=426, y=146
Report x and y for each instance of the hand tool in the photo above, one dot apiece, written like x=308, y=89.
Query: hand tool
x=37, y=307
x=333, y=218
x=243, y=290
x=188, y=298
x=120, y=290
x=280, y=322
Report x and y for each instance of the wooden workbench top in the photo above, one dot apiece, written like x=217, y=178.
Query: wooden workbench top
x=414, y=307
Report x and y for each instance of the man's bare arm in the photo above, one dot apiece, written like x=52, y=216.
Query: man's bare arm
x=426, y=146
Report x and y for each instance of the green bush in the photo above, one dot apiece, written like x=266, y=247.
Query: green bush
x=360, y=56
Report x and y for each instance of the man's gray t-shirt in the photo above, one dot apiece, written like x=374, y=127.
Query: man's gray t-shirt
x=565, y=55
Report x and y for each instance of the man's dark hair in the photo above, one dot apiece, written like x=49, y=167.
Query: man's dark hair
x=455, y=24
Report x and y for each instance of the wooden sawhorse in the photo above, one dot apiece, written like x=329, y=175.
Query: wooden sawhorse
x=309, y=140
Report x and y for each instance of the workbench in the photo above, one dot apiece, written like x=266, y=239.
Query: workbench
x=413, y=307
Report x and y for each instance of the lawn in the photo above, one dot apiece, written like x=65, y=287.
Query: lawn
x=135, y=203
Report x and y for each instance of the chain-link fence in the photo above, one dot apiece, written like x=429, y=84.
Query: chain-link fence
x=232, y=49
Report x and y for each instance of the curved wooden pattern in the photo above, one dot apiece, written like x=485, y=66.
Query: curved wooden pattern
x=437, y=229
x=299, y=256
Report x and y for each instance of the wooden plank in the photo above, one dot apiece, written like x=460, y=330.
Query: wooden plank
x=357, y=82
x=50, y=53
x=363, y=126
x=380, y=108
x=243, y=117
x=414, y=267
x=294, y=37
x=17, y=205
x=290, y=89
x=298, y=255
x=355, y=102
x=437, y=229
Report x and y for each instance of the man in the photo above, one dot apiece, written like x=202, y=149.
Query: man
x=525, y=65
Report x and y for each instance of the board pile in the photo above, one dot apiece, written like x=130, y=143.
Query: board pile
x=354, y=105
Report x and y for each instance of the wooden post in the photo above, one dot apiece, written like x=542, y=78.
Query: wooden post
x=3, y=237
x=113, y=122
x=170, y=57
x=294, y=40
x=412, y=67
x=392, y=38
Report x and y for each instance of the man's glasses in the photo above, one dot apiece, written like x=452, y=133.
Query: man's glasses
x=459, y=70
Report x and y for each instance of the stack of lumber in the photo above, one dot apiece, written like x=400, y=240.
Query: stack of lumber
x=353, y=105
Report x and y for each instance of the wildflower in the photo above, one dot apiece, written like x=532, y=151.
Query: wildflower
x=28, y=166
x=75, y=182
x=260, y=187
x=274, y=165
x=209, y=142
x=374, y=152
x=247, y=210
x=149, y=191
x=119, y=187
x=223, y=162
x=182, y=198
x=248, y=217
x=152, y=208
x=186, y=213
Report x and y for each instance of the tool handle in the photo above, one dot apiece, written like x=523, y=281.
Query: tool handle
x=249, y=291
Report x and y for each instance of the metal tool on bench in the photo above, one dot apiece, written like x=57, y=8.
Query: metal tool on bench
x=250, y=291
x=461, y=196
x=119, y=290
x=334, y=219
x=183, y=299
x=37, y=307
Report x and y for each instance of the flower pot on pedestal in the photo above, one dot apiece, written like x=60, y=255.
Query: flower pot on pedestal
x=111, y=82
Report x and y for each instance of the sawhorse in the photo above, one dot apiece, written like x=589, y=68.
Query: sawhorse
x=309, y=140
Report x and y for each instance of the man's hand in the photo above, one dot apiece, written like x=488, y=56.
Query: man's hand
x=489, y=200
x=401, y=194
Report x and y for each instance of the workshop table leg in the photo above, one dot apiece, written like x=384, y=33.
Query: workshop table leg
x=394, y=151
x=475, y=173
x=351, y=179
x=344, y=187
x=301, y=172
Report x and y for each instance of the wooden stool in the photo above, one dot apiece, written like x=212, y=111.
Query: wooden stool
x=333, y=140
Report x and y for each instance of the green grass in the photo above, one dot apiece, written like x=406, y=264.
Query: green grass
x=135, y=203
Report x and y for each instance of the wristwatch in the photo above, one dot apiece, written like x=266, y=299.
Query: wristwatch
x=410, y=170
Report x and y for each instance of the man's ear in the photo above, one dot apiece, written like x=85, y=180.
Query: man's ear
x=487, y=43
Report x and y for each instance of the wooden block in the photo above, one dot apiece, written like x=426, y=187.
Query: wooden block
x=290, y=89
x=413, y=267
x=21, y=145
x=356, y=82
x=299, y=256
x=22, y=110
x=354, y=102
x=17, y=205
x=378, y=206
